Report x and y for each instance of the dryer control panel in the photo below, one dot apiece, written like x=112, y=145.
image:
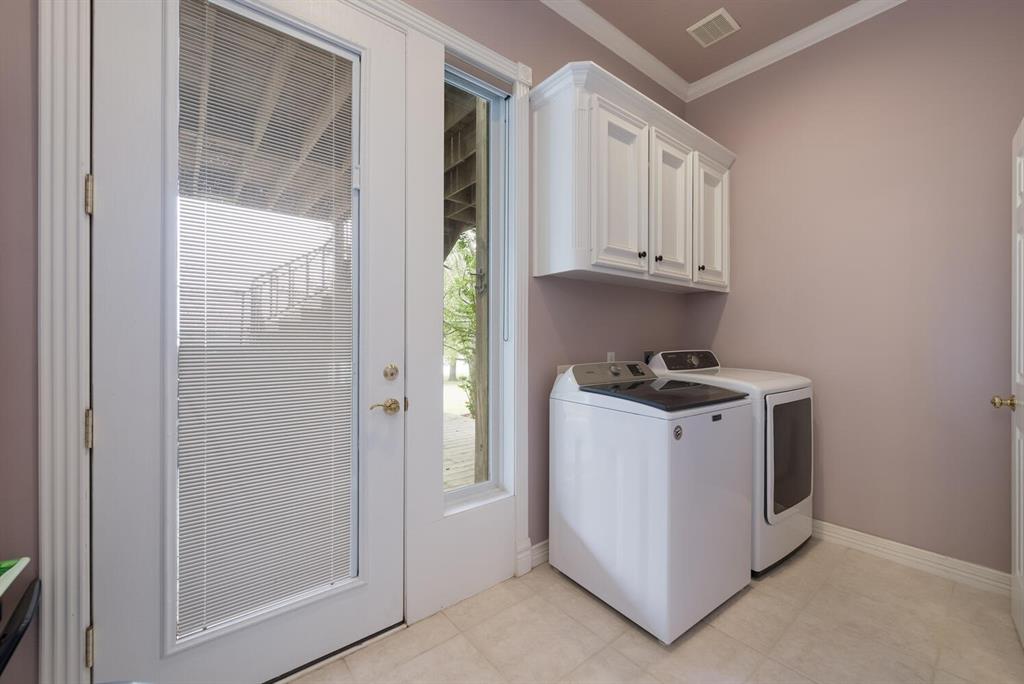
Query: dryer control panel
x=689, y=360
x=605, y=373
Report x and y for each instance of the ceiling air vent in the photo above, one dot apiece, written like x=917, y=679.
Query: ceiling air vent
x=713, y=27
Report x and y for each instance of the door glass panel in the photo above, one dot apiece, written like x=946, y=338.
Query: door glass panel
x=265, y=319
x=466, y=288
x=791, y=434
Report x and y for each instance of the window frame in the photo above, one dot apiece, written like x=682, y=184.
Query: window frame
x=275, y=20
x=499, y=482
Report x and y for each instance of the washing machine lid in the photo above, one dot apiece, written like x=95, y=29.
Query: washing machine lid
x=666, y=394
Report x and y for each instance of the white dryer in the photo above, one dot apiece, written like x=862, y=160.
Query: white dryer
x=650, y=487
x=783, y=457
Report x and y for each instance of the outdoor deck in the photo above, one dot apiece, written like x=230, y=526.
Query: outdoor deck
x=459, y=440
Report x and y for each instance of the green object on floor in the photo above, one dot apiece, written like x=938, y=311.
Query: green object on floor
x=10, y=569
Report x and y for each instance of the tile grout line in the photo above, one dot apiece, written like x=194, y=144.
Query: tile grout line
x=405, y=628
x=933, y=665
x=604, y=644
x=825, y=574
x=458, y=633
x=343, y=654
x=945, y=613
x=788, y=624
x=533, y=593
x=592, y=597
x=483, y=654
x=796, y=616
x=516, y=602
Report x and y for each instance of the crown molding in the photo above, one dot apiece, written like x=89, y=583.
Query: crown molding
x=604, y=32
x=599, y=28
x=815, y=33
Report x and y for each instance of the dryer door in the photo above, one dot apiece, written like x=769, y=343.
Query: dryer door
x=789, y=468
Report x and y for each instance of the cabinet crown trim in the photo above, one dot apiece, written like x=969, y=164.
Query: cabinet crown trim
x=593, y=78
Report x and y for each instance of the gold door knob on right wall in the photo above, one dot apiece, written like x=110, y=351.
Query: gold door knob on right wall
x=999, y=402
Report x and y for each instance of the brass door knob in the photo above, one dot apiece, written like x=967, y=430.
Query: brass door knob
x=999, y=402
x=390, y=406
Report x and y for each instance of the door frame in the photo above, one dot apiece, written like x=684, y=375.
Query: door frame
x=65, y=148
x=64, y=305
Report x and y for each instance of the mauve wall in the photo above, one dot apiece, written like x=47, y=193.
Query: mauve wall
x=569, y=320
x=871, y=252
x=18, y=499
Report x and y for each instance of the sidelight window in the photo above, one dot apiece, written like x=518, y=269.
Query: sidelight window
x=474, y=121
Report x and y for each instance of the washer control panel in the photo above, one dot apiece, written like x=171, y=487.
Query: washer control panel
x=606, y=373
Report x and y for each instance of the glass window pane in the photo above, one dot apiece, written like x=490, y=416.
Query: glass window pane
x=466, y=288
x=791, y=426
x=265, y=319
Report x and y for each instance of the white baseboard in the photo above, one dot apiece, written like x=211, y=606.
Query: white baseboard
x=540, y=553
x=960, y=571
x=957, y=570
x=524, y=560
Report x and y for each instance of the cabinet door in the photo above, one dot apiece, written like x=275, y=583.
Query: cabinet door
x=671, y=215
x=711, y=223
x=618, y=188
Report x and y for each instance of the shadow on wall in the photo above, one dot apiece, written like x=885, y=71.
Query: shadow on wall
x=703, y=315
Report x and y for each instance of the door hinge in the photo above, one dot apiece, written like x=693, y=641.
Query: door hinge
x=88, y=432
x=88, y=193
x=357, y=177
x=90, y=647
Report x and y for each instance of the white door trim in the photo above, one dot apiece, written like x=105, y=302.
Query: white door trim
x=518, y=268
x=63, y=344
x=1016, y=380
x=63, y=304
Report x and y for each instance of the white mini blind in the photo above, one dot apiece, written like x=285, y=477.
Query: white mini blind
x=265, y=363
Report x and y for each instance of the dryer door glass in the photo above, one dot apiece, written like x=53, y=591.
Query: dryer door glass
x=789, y=453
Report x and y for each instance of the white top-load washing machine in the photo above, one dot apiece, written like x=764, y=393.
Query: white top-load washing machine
x=650, y=492
x=783, y=456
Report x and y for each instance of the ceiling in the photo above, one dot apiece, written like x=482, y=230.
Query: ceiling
x=659, y=26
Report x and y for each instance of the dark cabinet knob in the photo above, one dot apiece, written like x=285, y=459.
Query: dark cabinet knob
x=659, y=258
x=642, y=254
x=701, y=267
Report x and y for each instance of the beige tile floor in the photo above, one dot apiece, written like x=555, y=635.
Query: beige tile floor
x=827, y=615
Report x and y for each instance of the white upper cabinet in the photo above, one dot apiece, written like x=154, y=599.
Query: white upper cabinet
x=624, y=190
x=671, y=215
x=619, y=187
x=712, y=221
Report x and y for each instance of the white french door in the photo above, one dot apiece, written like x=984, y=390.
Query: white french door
x=248, y=302
x=1017, y=383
